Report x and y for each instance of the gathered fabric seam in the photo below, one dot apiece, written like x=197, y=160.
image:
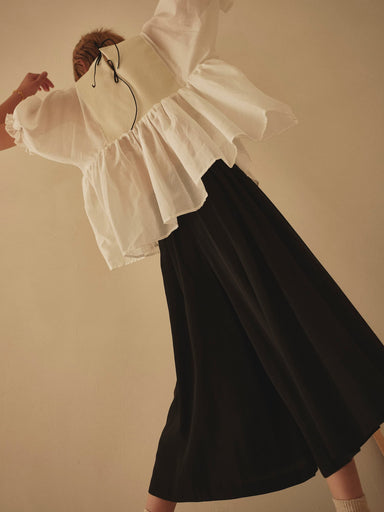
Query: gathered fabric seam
x=151, y=111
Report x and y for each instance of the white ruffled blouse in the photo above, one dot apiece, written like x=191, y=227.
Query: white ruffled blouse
x=143, y=142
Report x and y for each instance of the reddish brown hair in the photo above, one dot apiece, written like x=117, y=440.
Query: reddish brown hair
x=87, y=50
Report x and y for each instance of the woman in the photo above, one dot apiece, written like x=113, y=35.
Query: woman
x=278, y=375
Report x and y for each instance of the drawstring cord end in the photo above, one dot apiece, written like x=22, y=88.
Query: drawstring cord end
x=115, y=75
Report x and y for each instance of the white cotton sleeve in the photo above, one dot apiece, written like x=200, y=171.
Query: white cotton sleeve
x=184, y=31
x=51, y=126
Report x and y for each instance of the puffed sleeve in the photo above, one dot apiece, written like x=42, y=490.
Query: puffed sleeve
x=51, y=126
x=184, y=31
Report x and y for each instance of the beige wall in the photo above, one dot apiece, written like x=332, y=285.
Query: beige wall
x=87, y=372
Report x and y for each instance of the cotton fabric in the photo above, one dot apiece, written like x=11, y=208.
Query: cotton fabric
x=352, y=505
x=277, y=373
x=136, y=182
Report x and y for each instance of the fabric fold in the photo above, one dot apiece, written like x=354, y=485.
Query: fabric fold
x=230, y=95
x=145, y=179
x=15, y=130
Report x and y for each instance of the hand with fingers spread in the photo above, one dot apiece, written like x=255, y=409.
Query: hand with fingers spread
x=34, y=82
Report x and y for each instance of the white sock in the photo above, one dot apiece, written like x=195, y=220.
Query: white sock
x=353, y=505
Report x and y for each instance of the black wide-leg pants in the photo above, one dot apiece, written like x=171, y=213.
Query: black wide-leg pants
x=278, y=375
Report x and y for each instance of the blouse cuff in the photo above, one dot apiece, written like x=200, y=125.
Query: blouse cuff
x=15, y=130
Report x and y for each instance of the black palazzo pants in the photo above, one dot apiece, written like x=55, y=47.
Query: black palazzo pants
x=278, y=375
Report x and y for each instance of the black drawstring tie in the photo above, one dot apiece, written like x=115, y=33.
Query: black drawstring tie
x=116, y=77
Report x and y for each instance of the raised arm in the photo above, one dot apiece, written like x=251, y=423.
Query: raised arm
x=6, y=141
x=185, y=31
x=31, y=83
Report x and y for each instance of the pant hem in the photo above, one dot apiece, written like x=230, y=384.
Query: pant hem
x=252, y=489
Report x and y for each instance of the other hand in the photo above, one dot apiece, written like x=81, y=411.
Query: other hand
x=34, y=82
